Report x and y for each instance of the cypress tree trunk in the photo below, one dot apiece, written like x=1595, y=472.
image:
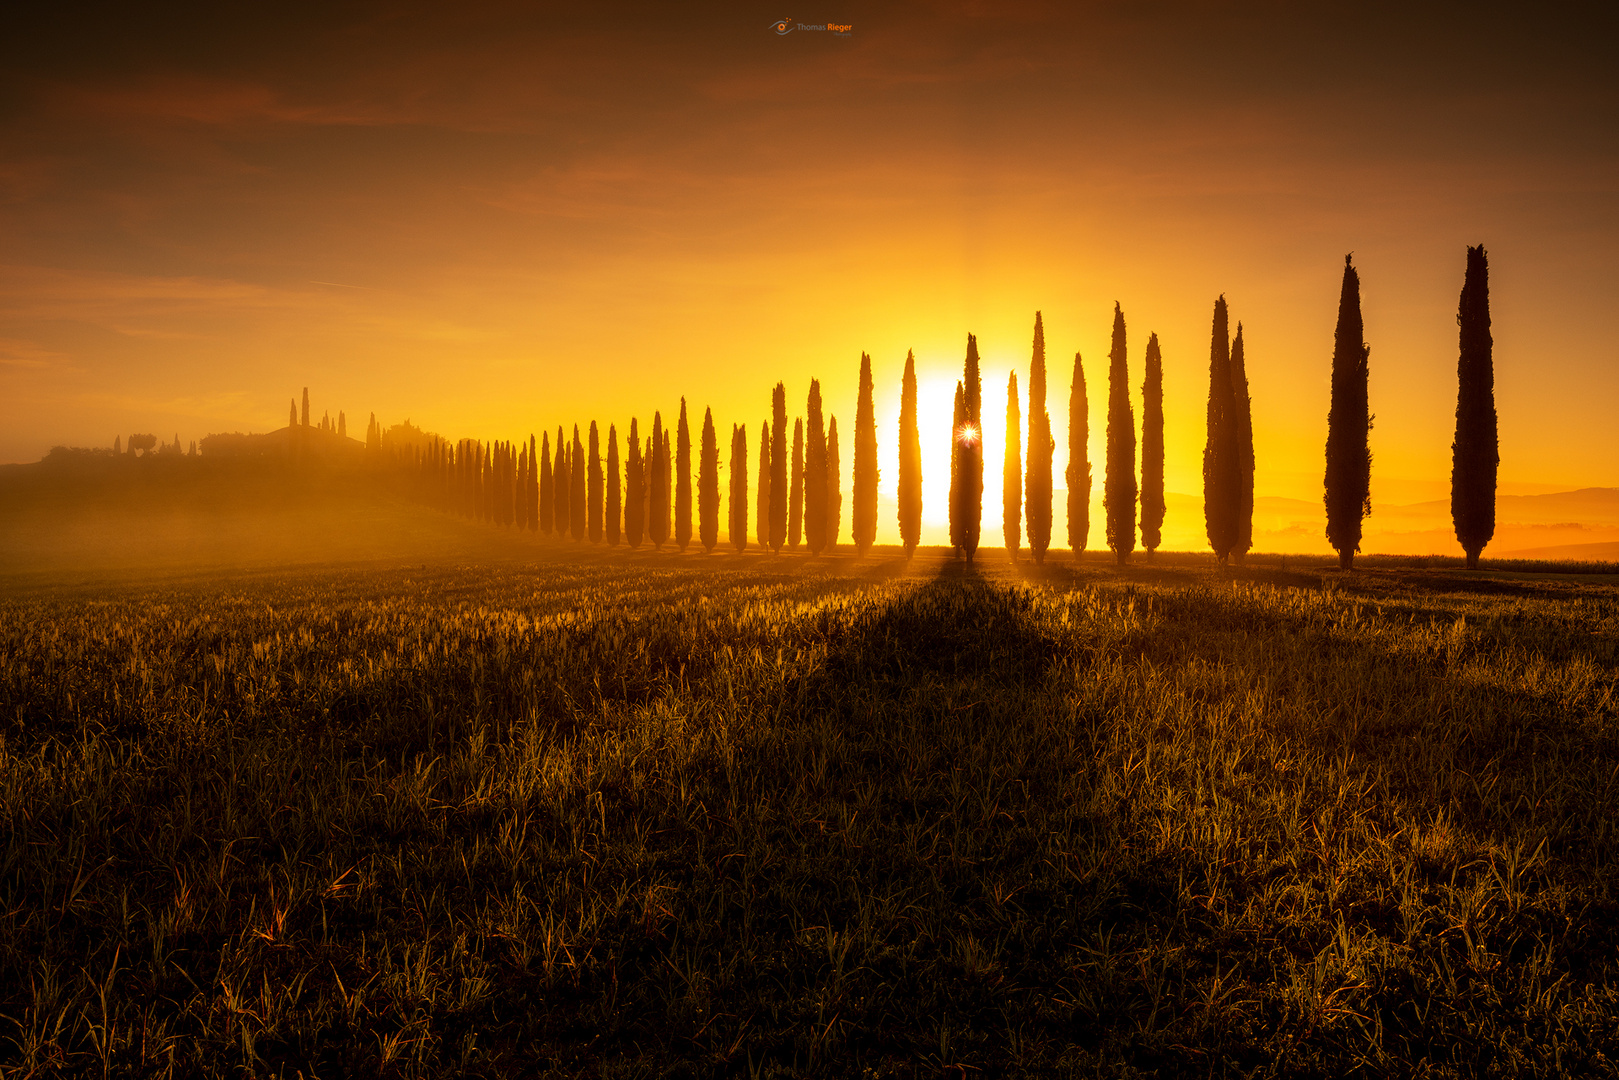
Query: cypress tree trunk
x=1349, y=457
x=834, y=486
x=683, y=480
x=864, y=510
x=972, y=453
x=739, y=487
x=576, y=488
x=708, y=486
x=634, y=486
x=594, y=510
x=778, y=468
x=615, y=501
x=910, y=461
x=562, y=482
x=658, y=518
x=765, y=481
x=1119, y=494
x=1152, y=449
x=1220, y=471
x=795, y=494
x=958, y=516
x=1475, y=455
x=1037, y=469
x=815, y=474
x=1243, y=436
x=1078, y=475
x=1012, y=480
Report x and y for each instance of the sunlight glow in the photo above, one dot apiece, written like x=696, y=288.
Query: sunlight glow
x=969, y=435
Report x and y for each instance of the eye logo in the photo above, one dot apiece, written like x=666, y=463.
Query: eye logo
x=782, y=26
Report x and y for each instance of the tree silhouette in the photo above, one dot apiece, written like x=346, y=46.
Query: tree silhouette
x=1242, y=415
x=533, y=485
x=708, y=485
x=306, y=407
x=668, y=486
x=972, y=453
x=1037, y=468
x=738, y=503
x=144, y=444
x=659, y=515
x=593, y=510
x=815, y=473
x=778, y=468
x=1221, y=476
x=577, y=511
x=766, y=482
x=1012, y=478
x=1078, y=474
x=1152, y=449
x=615, y=501
x=1119, y=493
x=834, y=485
x=795, y=493
x=864, y=510
x=682, y=480
x=958, y=513
x=561, y=482
x=910, y=461
x=634, y=489
x=292, y=418
x=1475, y=455
x=1349, y=457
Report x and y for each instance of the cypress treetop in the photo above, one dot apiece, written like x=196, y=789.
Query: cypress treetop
x=1348, y=493
x=1475, y=455
x=1119, y=491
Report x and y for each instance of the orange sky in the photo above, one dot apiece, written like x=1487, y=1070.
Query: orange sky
x=498, y=222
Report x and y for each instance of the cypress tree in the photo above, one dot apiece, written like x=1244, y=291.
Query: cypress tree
x=1221, y=475
x=615, y=502
x=1012, y=478
x=958, y=423
x=533, y=485
x=1152, y=449
x=648, y=460
x=815, y=474
x=668, y=487
x=795, y=494
x=577, y=506
x=739, y=487
x=910, y=461
x=1078, y=474
x=708, y=485
x=634, y=485
x=764, y=503
x=522, y=485
x=561, y=481
x=834, y=486
x=593, y=509
x=306, y=407
x=1243, y=435
x=659, y=513
x=1475, y=454
x=1349, y=458
x=972, y=451
x=778, y=468
x=1037, y=469
x=292, y=418
x=1119, y=494
x=683, y=480
x=864, y=510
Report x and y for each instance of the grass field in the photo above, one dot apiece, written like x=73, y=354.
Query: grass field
x=640, y=815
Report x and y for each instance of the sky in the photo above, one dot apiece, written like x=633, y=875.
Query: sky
x=494, y=219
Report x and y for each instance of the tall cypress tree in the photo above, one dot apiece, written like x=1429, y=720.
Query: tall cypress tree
x=668, y=486
x=1152, y=449
x=682, y=480
x=562, y=483
x=593, y=509
x=765, y=481
x=815, y=473
x=958, y=517
x=739, y=487
x=1078, y=474
x=634, y=489
x=615, y=502
x=658, y=518
x=1243, y=436
x=910, y=461
x=864, y=510
x=1475, y=455
x=577, y=492
x=778, y=468
x=1119, y=494
x=1037, y=469
x=834, y=485
x=1221, y=475
x=1012, y=478
x=1349, y=456
x=708, y=485
x=972, y=450
x=795, y=493
x=522, y=485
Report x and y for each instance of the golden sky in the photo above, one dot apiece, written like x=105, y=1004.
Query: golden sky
x=496, y=221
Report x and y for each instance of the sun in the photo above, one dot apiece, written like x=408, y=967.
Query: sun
x=969, y=435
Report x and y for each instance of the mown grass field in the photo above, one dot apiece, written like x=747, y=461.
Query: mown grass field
x=642, y=816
